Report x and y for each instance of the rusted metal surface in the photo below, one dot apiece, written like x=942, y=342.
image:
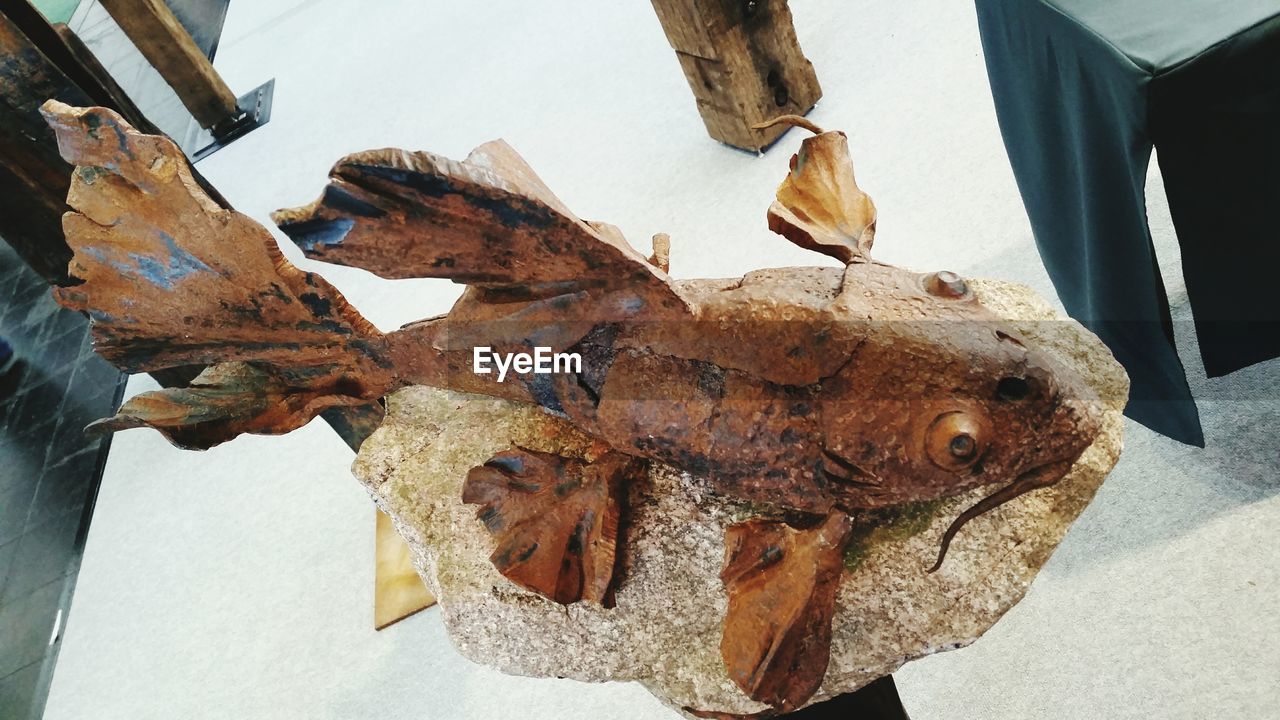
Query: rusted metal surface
x=234, y=398
x=811, y=393
x=171, y=278
x=556, y=519
x=782, y=586
x=39, y=61
x=820, y=206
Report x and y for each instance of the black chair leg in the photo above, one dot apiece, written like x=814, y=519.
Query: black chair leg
x=876, y=701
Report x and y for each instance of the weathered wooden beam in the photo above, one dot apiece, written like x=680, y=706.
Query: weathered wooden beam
x=97, y=79
x=33, y=177
x=152, y=26
x=743, y=63
x=69, y=55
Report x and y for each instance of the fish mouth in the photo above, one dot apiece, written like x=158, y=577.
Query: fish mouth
x=1037, y=477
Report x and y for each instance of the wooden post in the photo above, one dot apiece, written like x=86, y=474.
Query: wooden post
x=33, y=177
x=398, y=592
x=743, y=63
x=152, y=26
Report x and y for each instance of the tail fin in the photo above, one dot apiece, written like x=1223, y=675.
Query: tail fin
x=170, y=278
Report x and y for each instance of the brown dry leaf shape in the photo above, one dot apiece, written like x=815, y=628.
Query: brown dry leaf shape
x=820, y=206
x=487, y=221
x=555, y=519
x=782, y=586
x=170, y=278
x=229, y=399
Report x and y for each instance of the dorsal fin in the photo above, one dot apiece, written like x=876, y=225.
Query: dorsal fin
x=487, y=221
x=820, y=206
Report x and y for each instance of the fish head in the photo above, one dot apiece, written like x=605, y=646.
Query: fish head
x=943, y=396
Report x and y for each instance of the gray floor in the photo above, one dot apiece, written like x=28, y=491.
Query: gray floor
x=238, y=582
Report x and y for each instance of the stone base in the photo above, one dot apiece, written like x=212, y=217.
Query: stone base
x=665, y=630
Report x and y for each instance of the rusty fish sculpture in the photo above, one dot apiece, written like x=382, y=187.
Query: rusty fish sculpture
x=814, y=393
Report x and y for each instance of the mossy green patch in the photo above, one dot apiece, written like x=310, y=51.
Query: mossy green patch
x=889, y=525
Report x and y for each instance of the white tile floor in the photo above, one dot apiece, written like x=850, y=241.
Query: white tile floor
x=237, y=583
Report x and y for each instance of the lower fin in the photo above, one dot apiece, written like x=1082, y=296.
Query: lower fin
x=229, y=399
x=556, y=520
x=782, y=585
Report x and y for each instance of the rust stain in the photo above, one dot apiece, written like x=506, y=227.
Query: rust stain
x=812, y=392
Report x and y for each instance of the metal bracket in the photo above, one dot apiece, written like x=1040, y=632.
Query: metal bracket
x=255, y=111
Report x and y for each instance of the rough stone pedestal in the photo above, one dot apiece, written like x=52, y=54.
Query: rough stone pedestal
x=665, y=630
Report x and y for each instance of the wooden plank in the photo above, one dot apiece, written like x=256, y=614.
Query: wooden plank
x=98, y=79
x=398, y=591
x=152, y=26
x=37, y=62
x=743, y=62
x=69, y=55
x=33, y=177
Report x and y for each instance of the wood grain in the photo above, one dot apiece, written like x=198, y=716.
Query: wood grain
x=743, y=63
x=33, y=178
x=162, y=40
x=398, y=591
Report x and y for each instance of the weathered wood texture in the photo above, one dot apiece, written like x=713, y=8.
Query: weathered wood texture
x=98, y=78
x=65, y=52
x=743, y=63
x=152, y=26
x=33, y=178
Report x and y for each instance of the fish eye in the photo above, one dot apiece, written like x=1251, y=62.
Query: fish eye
x=946, y=284
x=1012, y=389
x=955, y=440
x=962, y=446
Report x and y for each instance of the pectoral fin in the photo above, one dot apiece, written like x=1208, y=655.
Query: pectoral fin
x=555, y=520
x=782, y=586
x=233, y=398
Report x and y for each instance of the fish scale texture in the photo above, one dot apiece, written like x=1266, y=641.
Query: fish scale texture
x=665, y=630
